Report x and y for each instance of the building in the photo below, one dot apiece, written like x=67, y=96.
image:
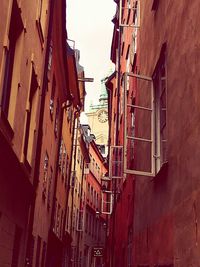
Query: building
x=23, y=54
x=46, y=227
x=98, y=120
x=95, y=220
x=77, y=193
x=85, y=223
x=158, y=135
x=40, y=98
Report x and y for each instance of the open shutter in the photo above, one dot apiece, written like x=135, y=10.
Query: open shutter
x=139, y=137
x=116, y=162
x=106, y=196
x=107, y=202
x=131, y=12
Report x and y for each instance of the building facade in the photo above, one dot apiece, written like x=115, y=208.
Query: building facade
x=159, y=139
x=23, y=46
x=40, y=99
x=85, y=223
x=95, y=220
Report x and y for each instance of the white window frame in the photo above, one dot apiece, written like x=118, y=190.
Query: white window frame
x=160, y=161
x=108, y=195
x=126, y=137
x=111, y=160
x=156, y=158
x=134, y=9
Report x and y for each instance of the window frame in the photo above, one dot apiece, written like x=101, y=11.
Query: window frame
x=126, y=137
x=157, y=163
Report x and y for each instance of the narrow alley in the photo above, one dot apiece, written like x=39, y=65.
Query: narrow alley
x=108, y=177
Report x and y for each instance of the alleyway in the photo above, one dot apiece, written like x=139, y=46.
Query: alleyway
x=106, y=173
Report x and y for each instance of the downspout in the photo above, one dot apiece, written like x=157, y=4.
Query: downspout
x=28, y=260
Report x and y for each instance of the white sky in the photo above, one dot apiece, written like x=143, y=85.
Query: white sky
x=89, y=24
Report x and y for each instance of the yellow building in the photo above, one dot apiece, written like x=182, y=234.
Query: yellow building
x=98, y=120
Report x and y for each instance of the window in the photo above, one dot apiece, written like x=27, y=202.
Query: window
x=64, y=157
x=42, y=18
x=50, y=55
x=31, y=118
x=69, y=113
x=155, y=5
x=56, y=119
x=79, y=155
x=80, y=220
x=106, y=202
x=49, y=188
x=131, y=9
x=66, y=170
x=73, y=179
x=45, y=176
x=13, y=49
x=58, y=219
x=159, y=80
x=149, y=115
x=116, y=159
x=51, y=105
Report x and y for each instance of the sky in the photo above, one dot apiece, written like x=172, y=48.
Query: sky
x=89, y=25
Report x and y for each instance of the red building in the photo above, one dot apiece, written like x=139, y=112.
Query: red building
x=155, y=213
x=95, y=220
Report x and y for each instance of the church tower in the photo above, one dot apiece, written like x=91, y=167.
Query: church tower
x=98, y=120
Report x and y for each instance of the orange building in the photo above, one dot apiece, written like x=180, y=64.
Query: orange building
x=23, y=43
x=56, y=95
